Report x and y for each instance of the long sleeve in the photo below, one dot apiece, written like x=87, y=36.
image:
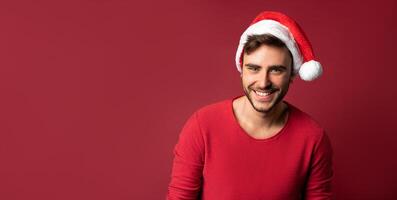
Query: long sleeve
x=319, y=183
x=186, y=177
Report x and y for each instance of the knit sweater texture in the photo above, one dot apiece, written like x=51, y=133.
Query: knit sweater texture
x=215, y=159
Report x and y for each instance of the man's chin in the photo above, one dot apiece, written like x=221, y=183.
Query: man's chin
x=263, y=108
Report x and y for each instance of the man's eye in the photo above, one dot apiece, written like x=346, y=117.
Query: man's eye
x=254, y=69
x=276, y=70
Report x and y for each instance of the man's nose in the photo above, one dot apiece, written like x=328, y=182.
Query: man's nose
x=263, y=81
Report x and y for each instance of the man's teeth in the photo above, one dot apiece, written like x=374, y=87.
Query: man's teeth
x=262, y=93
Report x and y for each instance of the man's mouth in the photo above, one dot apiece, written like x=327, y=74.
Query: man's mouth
x=264, y=93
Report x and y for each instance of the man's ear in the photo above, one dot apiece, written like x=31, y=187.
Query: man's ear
x=291, y=78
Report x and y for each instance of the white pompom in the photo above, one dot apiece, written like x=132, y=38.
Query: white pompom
x=310, y=70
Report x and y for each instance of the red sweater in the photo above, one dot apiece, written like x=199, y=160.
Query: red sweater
x=215, y=159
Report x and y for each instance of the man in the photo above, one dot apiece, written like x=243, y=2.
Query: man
x=257, y=146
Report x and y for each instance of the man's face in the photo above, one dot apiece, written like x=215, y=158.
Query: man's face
x=266, y=75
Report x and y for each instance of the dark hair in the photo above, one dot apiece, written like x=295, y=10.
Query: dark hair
x=256, y=41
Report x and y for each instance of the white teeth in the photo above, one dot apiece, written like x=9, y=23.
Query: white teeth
x=262, y=93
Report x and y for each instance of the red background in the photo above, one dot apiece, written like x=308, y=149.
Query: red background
x=94, y=93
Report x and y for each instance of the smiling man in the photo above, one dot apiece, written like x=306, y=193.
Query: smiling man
x=266, y=76
x=257, y=146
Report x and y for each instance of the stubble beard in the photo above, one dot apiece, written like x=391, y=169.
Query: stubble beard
x=278, y=97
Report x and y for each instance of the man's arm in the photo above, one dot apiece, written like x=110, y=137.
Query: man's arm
x=186, y=177
x=319, y=183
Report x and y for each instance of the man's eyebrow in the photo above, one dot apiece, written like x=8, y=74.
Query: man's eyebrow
x=277, y=66
x=271, y=66
x=251, y=65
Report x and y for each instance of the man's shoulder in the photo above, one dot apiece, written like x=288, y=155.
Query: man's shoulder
x=214, y=112
x=217, y=107
x=305, y=122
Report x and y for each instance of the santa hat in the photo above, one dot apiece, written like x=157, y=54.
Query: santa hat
x=288, y=31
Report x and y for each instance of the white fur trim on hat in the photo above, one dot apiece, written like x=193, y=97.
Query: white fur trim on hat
x=276, y=29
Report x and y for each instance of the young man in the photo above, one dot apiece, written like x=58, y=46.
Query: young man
x=257, y=146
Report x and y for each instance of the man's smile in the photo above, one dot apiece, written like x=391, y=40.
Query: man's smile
x=264, y=96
